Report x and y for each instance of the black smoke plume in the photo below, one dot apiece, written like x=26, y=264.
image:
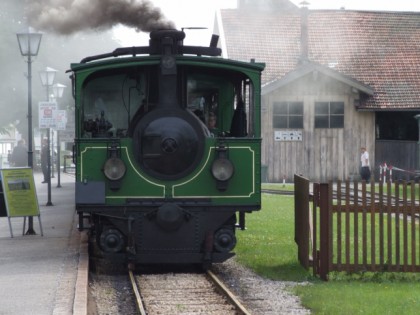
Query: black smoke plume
x=70, y=16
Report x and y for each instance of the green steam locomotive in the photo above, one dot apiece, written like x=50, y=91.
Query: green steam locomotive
x=167, y=150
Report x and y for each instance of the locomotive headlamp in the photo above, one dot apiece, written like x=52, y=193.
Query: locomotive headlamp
x=222, y=168
x=114, y=168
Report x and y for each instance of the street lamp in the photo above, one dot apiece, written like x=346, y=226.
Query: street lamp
x=58, y=90
x=29, y=43
x=47, y=80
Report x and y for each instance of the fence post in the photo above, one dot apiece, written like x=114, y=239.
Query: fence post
x=302, y=227
x=325, y=224
x=315, y=236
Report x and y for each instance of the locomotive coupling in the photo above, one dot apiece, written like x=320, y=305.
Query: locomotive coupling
x=170, y=217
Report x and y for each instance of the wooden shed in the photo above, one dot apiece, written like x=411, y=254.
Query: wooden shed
x=335, y=81
x=311, y=125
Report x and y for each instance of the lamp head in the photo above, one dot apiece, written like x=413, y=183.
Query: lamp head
x=29, y=42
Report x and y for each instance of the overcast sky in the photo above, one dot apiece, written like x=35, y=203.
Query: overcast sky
x=200, y=13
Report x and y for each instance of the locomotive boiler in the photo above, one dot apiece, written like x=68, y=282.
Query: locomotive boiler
x=155, y=183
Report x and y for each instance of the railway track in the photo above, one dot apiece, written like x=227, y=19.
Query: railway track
x=368, y=196
x=184, y=293
x=278, y=192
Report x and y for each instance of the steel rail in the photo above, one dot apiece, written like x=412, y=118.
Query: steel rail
x=139, y=302
x=278, y=192
x=232, y=298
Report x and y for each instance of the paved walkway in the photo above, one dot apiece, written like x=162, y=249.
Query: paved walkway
x=38, y=274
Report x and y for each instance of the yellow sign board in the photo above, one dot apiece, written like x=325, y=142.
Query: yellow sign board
x=19, y=192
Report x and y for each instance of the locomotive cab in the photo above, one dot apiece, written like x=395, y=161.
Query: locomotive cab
x=167, y=150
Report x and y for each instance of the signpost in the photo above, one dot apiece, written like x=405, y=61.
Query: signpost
x=60, y=117
x=47, y=121
x=46, y=114
x=19, y=194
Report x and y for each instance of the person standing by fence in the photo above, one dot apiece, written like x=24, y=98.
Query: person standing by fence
x=365, y=167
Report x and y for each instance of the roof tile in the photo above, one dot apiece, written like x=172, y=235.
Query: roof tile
x=380, y=49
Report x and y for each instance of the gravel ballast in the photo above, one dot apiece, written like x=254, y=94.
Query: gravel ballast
x=112, y=294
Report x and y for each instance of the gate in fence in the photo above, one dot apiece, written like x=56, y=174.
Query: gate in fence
x=357, y=226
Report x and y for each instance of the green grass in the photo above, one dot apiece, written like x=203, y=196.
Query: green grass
x=268, y=247
x=278, y=186
x=358, y=297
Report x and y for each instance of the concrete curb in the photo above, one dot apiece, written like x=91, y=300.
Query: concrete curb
x=81, y=290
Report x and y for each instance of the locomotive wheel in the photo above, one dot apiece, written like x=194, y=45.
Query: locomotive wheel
x=111, y=241
x=224, y=240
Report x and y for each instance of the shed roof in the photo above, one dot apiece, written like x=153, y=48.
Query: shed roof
x=310, y=67
x=378, y=50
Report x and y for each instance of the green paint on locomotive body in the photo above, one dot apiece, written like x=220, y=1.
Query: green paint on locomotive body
x=245, y=152
x=243, y=188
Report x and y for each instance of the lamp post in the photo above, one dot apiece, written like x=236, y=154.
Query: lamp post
x=58, y=90
x=47, y=80
x=52, y=152
x=29, y=43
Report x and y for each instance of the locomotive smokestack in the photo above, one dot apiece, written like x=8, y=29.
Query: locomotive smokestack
x=167, y=43
x=70, y=16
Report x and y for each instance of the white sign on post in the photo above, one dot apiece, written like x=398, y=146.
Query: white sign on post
x=46, y=114
x=60, y=117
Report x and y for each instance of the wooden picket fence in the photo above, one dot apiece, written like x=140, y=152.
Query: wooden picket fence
x=357, y=226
